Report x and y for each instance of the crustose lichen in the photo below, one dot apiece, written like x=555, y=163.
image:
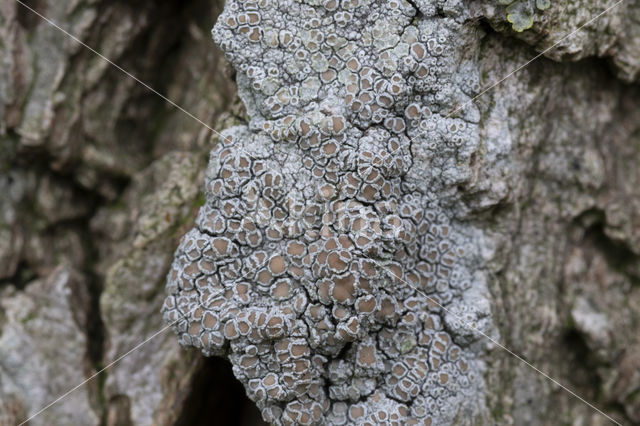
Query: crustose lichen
x=279, y=273
x=520, y=12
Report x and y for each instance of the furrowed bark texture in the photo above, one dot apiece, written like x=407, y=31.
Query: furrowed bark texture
x=537, y=180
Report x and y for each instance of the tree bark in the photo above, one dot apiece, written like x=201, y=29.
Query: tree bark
x=101, y=178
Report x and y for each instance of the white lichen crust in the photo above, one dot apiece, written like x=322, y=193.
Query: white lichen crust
x=324, y=248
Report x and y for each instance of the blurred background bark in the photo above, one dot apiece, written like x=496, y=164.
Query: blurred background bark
x=99, y=179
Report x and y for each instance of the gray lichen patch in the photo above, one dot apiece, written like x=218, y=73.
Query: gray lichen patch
x=325, y=249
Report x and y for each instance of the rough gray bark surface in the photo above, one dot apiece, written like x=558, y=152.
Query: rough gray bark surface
x=101, y=179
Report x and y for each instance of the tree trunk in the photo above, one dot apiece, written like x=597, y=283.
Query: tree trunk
x=536, y=179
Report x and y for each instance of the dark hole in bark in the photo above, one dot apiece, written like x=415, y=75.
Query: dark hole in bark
x=619, y=255
x=22, y=275
x=583, y=373
x=217, y=397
